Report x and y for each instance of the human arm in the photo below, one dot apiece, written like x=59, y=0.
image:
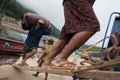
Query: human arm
x=25, y=25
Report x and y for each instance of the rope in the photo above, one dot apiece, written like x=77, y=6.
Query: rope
x=86, y=49
x=98, y=66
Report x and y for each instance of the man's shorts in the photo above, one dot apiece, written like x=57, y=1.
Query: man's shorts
x=26, y=49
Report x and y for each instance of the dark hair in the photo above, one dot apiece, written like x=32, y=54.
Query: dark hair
x=41, y=24
x=44, y=40
x=51, y=41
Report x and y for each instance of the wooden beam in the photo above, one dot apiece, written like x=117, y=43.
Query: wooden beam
x=3, y=78
x=103, y=65
x=93, y=74
x=44, y=70
x=100, y=75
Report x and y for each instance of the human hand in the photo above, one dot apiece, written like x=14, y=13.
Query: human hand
x=110, y=53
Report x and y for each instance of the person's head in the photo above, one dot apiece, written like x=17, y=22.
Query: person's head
x=44, y=41
x=40, y=23
x=51, y=41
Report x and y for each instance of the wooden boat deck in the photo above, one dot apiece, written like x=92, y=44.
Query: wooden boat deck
x=91, y=74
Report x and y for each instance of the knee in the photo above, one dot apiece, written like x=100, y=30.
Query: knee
x=34, y=51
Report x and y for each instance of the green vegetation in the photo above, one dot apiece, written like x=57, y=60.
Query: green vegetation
x=12, y=8
x=15, y=10
x=54, y=31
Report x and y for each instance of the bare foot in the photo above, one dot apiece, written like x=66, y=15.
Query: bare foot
x=23, y=64
x=63, y=64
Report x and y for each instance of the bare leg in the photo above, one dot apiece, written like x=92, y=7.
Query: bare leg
x=24, y=55
x=28, y=56
x=77, y=41
x=46, y=75
x=60, y=44
x=39, y=65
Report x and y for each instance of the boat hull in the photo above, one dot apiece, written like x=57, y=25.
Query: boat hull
x=8, y=46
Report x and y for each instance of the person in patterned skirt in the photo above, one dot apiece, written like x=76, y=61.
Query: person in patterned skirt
x=80, y=24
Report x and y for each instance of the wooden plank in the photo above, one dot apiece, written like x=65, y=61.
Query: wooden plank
x=3, y=78
x=100, y=75
x=93, y=74
x=44, y=70
x=103, y=65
